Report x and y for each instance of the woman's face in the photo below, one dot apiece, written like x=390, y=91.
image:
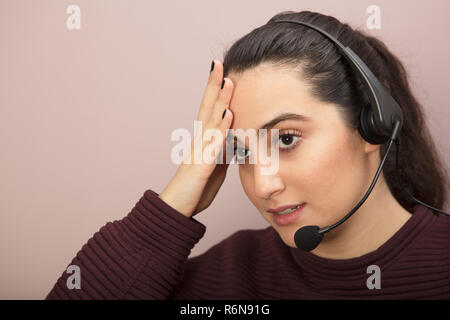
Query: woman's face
x=321, y=161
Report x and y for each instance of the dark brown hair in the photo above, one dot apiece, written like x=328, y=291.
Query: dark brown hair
x=332, y=80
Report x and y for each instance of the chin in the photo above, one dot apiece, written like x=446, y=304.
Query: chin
x=289, y=242
x=287, y=235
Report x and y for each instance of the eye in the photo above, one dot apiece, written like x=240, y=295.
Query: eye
x=289, y=139
x=241, y=153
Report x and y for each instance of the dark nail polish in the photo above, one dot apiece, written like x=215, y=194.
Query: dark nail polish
x=212, y=66
x=223, y=82
x=223, y=114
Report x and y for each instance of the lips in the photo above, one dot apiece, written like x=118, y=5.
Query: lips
x=279, y=210
x=287, y=217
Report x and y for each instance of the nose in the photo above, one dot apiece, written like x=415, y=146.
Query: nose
x=266, y=185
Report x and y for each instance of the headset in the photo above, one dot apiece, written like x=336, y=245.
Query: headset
x=379, y=123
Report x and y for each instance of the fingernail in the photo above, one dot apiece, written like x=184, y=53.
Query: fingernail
x=212, y=66
x=223, y=114
x=223, y=82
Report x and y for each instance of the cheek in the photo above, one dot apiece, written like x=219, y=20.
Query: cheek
x=330, y=176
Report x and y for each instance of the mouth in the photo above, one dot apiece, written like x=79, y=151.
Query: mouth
x=285, y=209
x=289, y=210
x=288, y=215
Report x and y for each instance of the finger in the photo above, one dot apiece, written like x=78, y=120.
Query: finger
x=211, y=91
x=222, y=103
x=221, y=146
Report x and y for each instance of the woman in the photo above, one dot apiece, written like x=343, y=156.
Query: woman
x=390, y=248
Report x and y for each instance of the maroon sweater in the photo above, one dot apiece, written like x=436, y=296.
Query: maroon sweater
x=145, y=256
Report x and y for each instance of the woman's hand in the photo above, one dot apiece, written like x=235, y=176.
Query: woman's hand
x=194, y=186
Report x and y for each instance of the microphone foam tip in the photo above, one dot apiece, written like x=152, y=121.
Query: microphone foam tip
x=308, y=238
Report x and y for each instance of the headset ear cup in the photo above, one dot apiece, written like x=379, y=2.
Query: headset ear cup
x=367, y=127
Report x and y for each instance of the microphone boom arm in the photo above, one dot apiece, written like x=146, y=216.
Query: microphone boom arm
x=380, y=167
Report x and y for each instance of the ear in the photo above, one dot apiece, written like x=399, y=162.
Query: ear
x=366, y=146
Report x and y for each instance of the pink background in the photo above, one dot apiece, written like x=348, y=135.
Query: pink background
x=86, y=115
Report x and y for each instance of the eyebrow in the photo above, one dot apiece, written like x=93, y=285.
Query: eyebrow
x=277, y=119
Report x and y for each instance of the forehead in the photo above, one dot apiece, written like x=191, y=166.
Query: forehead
x=262, y=93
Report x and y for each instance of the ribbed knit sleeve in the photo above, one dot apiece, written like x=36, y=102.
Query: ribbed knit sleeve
x=141, y=256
